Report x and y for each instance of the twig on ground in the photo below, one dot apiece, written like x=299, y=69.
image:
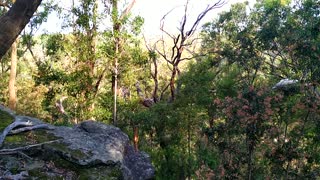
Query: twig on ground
x=6, y=151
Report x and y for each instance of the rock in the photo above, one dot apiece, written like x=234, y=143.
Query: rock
x=137, y=164
x=89, y=150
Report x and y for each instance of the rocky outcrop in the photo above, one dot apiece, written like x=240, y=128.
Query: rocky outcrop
x=90, y=150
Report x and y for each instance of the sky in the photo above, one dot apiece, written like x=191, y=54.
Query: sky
x=153, y=10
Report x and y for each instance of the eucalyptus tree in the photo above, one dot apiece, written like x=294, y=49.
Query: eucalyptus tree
x=13, y=68
x=254, y=124
x=73, y=68
x=79, y=63
x=14, y=21
x=35, y=20
x=118, y=19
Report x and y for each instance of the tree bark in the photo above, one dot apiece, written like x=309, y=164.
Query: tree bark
x=12, y=79
x=116, y=32
x=14, y=21
x=172, y=83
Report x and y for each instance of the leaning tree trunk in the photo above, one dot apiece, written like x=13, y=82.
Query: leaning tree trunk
x=14, y=21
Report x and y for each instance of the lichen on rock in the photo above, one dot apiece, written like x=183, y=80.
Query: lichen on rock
x=89, y=150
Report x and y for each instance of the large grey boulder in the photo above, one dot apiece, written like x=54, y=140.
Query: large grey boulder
x=89, y=150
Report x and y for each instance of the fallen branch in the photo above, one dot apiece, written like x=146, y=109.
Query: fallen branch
x=30, y=128
x=12, y=126
x=6, y=151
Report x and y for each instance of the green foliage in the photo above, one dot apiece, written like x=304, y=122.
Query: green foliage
x=136, y=24
x=54, y=44
x=226, y=121
x=227, y=84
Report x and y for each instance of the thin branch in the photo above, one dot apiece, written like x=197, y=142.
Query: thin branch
x=162, y=21
x=163, y=91
x=217, y=5
x=27, y=147
x=187, y=58
x=98, y=83
x=192, y=41
x=175, y=42
x=127, y=10
x=163, y=54
x=184, y=20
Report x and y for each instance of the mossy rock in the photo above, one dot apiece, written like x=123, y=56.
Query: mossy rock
x=90, y=150
x=5, y=120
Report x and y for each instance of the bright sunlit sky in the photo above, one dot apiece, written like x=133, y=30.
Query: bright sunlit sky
x=153, y=11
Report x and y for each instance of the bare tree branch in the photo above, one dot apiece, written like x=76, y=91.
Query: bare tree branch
x=184, y=20
x=180, y=42
x=217, y=5
x=128, y=9
x=164, y=90
x=154, y=74
x=162, y=21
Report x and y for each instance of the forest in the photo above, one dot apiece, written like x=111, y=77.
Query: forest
x=236, y=98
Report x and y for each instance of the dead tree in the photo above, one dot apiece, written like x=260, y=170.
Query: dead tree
x=181, y=43
x=59, y=105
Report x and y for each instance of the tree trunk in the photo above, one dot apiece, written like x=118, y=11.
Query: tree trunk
x=155, y=79
x=115, y=89
x=116, y=32
x=117, y=48
x=12, y=80
x=14, y=21
x=172, y=83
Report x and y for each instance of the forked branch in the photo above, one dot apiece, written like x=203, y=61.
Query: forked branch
x=174, y=55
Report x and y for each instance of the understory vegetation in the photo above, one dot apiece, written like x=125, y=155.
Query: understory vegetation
x=209, y=109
